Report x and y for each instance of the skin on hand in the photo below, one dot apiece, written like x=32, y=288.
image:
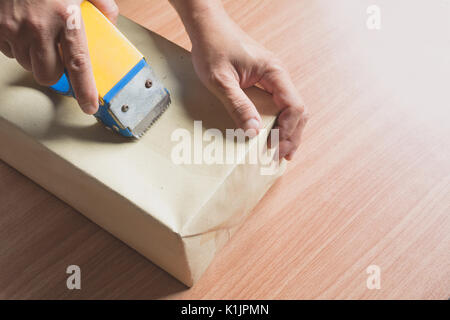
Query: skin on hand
x=231, y=62
x=227, y=61
x=35, y=33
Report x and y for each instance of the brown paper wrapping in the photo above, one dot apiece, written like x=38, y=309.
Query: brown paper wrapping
x=178, y=216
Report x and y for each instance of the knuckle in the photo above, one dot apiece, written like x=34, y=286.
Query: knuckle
x=276, y=67
x=63, y=11
x=297, y=112
x=61, y=8
x=300, y=109
x=279, y=69
x=275, y=63
x=306, y=116
x=302, y=112
x=68, y=15
x=8, y=27
x=77, y=62
x=35, y=25
x=219, y=79
x=113, y=10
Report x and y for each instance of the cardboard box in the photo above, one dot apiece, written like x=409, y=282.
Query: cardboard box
x=176, y=215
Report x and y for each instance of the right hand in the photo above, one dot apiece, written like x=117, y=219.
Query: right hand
x=34, y=32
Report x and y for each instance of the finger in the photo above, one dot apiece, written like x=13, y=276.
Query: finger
x=78, y=65
x=297, y=137
x=286, y=147
x=46, y=62
x=108, y=7
x=237, y=103
x=289, y=145
x=288, y=121
x=22, y=55
x=278, y=82
x=5, y=48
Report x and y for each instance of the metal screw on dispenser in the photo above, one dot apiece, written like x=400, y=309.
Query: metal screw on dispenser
x=125, y=108
x=148, y=84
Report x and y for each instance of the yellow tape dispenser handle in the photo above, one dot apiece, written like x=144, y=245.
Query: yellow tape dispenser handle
x=112, y=55
x=115, y=63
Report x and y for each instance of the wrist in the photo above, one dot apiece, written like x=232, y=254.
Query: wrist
x=202, y=19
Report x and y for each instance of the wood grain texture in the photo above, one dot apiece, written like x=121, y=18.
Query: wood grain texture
x=370, y=185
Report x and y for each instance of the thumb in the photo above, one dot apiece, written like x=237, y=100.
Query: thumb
x=237, y=103
x=108, y=7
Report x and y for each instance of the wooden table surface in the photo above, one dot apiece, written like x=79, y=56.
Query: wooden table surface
x=370, y=185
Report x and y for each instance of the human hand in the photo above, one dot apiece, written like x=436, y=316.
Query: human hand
x=227, y=60
x=34, y=32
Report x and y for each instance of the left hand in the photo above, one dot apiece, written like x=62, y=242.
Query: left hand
x=227, y=60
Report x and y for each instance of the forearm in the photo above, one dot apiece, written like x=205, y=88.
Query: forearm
x=202, y=18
